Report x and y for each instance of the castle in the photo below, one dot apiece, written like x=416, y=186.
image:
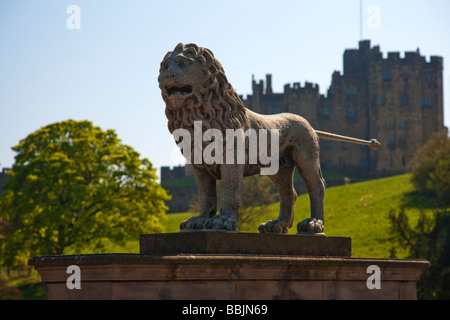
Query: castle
x=398, y=101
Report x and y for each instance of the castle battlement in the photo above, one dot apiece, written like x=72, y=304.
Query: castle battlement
x=265, y=88
x=357, y=58
x=296, y=86
x=414, y=57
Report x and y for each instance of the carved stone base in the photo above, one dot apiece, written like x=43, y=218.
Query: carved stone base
x=227, y=277
x=216, y=242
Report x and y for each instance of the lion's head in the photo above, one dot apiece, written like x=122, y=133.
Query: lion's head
x=194, y=87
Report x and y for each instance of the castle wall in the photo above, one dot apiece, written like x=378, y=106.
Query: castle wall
x=4, y=177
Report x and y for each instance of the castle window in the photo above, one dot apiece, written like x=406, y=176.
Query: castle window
x=275, y=110
x=326, y=144
x=350, y=91
x=351, y=114
x=326, y=111
x=391, y=141
x=405, y=75
x=391, y=124
x=342, y=161
x=344, y=145
x=429, y=78
x=386, y=76
x=403, y=98
x=402, y=124
x=383, y=100
x=426, y=101
x=362, y=163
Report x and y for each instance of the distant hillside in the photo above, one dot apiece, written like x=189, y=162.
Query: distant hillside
x=357, y=210
x=190, y=180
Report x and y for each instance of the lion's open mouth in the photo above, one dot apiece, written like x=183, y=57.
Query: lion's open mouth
x=179, y=91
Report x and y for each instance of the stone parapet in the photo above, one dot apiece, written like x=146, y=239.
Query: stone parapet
x=216, y=242
x=227, y=277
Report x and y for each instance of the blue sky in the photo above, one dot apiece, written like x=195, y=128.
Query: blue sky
x=107, y=70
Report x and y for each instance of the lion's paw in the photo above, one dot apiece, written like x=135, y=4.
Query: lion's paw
x=193, y=223
x=273, y=226
x=310, y=226
x=220, y=222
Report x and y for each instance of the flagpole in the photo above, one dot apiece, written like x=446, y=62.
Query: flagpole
x=360, y=20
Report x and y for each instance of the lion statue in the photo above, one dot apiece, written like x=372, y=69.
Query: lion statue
x=194, y=88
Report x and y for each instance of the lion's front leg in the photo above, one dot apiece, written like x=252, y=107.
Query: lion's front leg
x=232, y=176
x=207, y=199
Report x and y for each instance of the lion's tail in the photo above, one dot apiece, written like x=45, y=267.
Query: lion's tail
x=373, y=143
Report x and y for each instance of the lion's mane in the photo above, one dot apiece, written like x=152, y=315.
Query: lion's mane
x=214, y=101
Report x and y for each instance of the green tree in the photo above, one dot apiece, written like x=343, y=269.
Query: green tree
x=431, y=167
x=256, y=193
x=429, y=239
x=73, y=185
x=7, y=292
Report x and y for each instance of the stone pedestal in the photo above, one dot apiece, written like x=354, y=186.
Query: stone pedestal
x=225, y=274
x=211, y=242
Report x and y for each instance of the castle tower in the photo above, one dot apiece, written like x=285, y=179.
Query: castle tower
x=269, y=84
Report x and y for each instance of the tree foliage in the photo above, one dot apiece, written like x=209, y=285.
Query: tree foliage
x=429, y=239
x=74, y=184
x=431, y=168
x=256, y=192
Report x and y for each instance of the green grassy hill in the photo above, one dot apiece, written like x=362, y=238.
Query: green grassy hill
x=358, y=210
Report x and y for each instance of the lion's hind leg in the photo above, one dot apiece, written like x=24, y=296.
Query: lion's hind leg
x=309, y=169
x=283, y=180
